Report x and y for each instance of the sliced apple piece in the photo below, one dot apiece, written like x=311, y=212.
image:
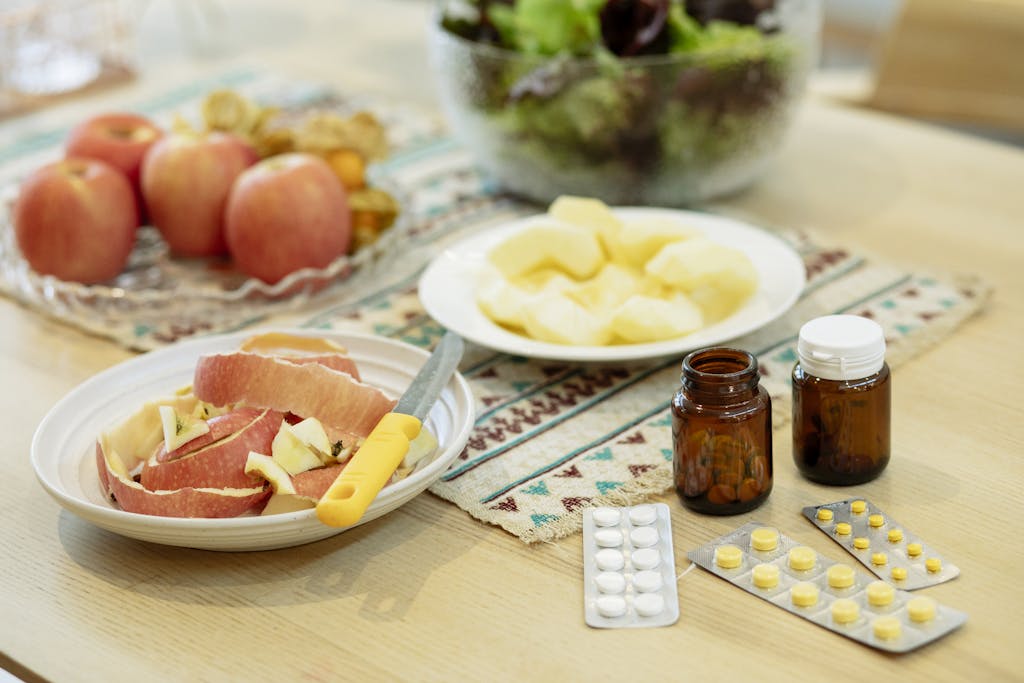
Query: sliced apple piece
x=180, y=429
x=612, y=285
x=292, y=453
x=421, y=447
x=502, y=301
x=281, y=503
x=590, y=213
x=571, y=248
x=312, y=433
x=647, y=319
x=558, y=319
x=260, y=465
x=696, y=263
x=641, y=239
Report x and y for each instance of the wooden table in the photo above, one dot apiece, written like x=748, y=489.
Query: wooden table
x=428, y=593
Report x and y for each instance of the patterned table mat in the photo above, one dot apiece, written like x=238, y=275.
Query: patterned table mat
x=550, y=438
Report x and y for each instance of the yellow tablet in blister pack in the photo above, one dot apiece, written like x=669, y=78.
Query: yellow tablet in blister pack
x=881, y=544
x=836, y=596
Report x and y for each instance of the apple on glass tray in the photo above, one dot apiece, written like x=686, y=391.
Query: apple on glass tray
x=120, y=139
x=287, y=212
x=186, y=179
x=75, y=219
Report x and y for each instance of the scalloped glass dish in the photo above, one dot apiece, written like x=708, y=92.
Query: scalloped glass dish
x=63, y=454
x=159, y=299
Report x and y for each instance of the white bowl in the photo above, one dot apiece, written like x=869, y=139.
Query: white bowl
x=63, y=445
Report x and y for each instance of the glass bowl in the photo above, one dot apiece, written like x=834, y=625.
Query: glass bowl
x=661, y=130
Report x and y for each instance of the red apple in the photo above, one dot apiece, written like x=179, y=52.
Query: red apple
x=186, y=179
x=76, y=219
x=119, y=139
x=221, y=427
x=285, y=213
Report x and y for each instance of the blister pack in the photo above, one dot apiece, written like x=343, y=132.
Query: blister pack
x=629, y=569
x=881, y=544
x=836, y=596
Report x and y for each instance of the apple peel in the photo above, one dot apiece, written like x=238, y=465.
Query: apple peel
x=337, y=399
x=184, y=502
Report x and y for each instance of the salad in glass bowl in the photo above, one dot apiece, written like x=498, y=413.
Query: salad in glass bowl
x=643, y=102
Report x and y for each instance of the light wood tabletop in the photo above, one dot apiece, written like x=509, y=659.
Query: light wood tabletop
x=427, y=593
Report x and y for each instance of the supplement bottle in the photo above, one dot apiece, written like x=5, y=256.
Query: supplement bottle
x=722, y=433
x=841, y=400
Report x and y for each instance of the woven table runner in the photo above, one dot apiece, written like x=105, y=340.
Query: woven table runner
x=551, y=438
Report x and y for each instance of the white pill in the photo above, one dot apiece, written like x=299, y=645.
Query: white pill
x=610, y=582
x=649, y=604
x=646, y=558
x=609, y=560
x=611, y=606
x=606, y=516
x=647, y=581
x=644, y=537
x=608, y=538
x=642, y=515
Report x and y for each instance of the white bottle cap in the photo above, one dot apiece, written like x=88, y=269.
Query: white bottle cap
x=841, y=347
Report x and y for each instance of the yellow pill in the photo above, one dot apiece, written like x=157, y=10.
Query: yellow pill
x=843, y=528
x=824, y=514
x=886, y=628
x=921, y=609
x=913, y=549
x=840, y=576
x=876, y=520
x=764, y=538
x=933, y=565
x=845, y=611
x=804, y=594
x=728, y=556
x=802, y=558
x=895, y=535
x=879, y=559
x=899, y=573
x=861, y=543
x=880, y=593
x=766, y=575
x=858, y=506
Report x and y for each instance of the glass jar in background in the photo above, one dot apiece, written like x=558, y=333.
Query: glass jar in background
x=841, y=401
x=722, y=433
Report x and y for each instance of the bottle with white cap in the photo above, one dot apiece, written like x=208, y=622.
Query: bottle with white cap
x=841, y=400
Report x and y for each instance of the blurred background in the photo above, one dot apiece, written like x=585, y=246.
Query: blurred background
x=957, y=63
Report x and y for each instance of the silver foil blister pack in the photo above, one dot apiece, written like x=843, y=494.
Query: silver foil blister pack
x=881, y=544
x=629, y=569
x=836, y=596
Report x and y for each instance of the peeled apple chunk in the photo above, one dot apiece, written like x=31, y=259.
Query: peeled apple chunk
x=700, y=262
x=644, y=318
x=571, y=248
x=589, y=213
x=640, y=240
x=560, y=320
x=610, y=287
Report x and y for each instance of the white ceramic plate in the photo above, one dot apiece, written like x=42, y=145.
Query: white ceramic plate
x=63, y=446
x=448, y=290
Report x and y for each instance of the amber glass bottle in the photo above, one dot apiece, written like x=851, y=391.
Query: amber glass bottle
x=722, y=433
x=841, y=401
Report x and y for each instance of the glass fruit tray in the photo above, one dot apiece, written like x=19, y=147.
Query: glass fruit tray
x=158, y=299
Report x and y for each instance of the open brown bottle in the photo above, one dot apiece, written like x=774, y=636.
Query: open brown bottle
x=722, y=433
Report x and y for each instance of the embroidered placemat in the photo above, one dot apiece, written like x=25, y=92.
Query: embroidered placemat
x=551, y=438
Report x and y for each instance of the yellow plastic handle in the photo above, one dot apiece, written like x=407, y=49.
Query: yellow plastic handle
x=368, y=470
